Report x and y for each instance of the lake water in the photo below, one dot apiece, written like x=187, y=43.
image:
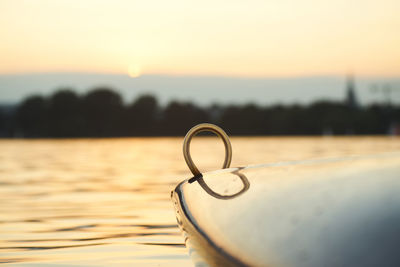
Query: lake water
x=107, y=201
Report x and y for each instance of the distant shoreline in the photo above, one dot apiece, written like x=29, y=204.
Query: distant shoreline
x=102, y=113
x=201, y=90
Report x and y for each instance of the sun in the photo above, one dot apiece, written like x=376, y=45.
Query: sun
x=134, y=70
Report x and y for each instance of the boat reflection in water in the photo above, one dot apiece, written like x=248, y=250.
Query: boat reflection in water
x=326, y=212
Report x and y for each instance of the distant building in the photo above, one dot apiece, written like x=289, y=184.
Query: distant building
x=351, y=98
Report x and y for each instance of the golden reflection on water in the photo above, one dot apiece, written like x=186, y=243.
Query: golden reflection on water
x=107, y=201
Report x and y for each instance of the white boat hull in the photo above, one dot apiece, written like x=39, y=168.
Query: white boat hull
x=328, y=212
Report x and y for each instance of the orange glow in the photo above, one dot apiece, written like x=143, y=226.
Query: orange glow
x=233, y=38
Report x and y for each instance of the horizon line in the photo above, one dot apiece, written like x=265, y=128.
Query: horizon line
x=175, y=75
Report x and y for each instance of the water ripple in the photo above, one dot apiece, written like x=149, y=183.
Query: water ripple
x=51, y=247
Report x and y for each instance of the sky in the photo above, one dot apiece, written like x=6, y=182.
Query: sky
x=264, y=51
x=252, y=38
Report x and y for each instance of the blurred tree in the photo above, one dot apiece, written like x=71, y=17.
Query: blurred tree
x=7, y=121
x=297, y=122
x=330, y=115
x=244, y=120
x=278, y=120
x=3, y=129
x=102, y=112
x=65, y=117
x=379, y=118
x=142, y=116
x=367, y=122
x=32, y=117
x=179, y=117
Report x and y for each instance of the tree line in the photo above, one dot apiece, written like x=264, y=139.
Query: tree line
x=102, y=113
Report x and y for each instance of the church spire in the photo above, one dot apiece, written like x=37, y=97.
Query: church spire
x=351, y=99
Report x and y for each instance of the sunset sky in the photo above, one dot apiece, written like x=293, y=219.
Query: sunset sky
x=253, y=38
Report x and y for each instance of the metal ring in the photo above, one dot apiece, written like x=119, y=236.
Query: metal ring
x=243, y=178
x=206, y=127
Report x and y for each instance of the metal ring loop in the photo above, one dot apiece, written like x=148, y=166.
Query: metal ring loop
x=243, y=178
x=206, y=127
